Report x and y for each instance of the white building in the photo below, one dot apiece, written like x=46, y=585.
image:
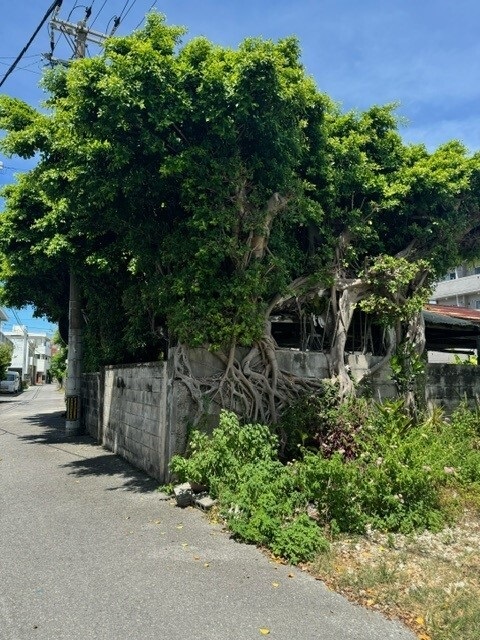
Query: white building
x=3, y=337
x=459, y=288
x=32, y=353
x=42, y=356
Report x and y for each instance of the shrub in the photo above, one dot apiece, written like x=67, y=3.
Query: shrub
x=395, y=482
x=320, y=422
x=393, y=478
x=299, y=540
x=258, y=495
x=218, y=460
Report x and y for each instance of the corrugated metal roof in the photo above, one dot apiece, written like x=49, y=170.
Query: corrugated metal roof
x=462, y=313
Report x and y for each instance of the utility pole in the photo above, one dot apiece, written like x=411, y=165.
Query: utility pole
x=81, y=35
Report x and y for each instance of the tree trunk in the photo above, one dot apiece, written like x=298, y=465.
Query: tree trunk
x=344, y=314
x=415, y=339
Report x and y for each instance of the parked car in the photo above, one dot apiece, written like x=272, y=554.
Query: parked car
x=11, y=382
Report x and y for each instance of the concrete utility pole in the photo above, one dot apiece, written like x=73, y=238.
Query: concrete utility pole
x=81, y=35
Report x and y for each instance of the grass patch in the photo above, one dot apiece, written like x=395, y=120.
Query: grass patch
x=431, y=581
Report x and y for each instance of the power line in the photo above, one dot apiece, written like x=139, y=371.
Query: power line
x=129, y=9
x=38, y=73
x=118, y=19
x=151, y=7
x=99, y=11
x=55, y=5
x=33, y=55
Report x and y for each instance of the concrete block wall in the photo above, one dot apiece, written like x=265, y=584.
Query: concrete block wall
x=448, y=385
x=142, y=413
x=92, y=391
x=134, y=415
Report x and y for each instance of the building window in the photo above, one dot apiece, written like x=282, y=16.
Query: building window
x=452, y=275
x=477, y=271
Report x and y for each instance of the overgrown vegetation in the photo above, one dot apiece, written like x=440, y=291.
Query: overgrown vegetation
x=223, y=185
x=5, y=359
x=377, y=469
x=58, y=364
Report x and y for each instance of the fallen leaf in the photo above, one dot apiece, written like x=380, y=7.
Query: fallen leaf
x=158, y=522
x=420, y=621
x=291, y=575
x=184, y=544
x=206, y=564
x=264, y=631
x=275, y=584
x=179, y=526
x=370, y=602
x=196, y=557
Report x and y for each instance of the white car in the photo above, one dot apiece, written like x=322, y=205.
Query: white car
x=11, y=382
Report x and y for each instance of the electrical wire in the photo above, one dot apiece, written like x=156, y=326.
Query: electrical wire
x=99, y=11
x=55, y=5
x=151, y=7
x=33, y=55
x=130, y=8
x=118, y=19
x=72, y=10
x=124, y=7
x=38, y=73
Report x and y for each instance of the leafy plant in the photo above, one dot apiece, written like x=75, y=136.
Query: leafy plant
x=321, y=422
x=58, y=364
x=5, y=359
x=220, y=459
x=402, y=475
x=258, y=495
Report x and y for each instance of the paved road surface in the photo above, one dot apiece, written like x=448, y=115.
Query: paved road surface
x=88, y=550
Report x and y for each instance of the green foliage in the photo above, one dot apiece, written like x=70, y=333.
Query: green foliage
x=5, y=359
x=408, y=367
x=220, y=459
x=257, y=494
x=469, y=360
x=58, y=363
x=299, y=540
x=188, y=185
x=395, y=481
x=321, y=422
x=393, y=296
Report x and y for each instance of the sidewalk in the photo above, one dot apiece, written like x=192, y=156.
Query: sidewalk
x=88, y=550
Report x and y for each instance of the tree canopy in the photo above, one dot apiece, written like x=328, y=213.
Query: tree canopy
x=194, y=188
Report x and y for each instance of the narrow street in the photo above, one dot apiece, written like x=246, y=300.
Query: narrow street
x=89, y=550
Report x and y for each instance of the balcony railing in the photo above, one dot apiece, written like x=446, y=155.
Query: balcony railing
x=458, y=287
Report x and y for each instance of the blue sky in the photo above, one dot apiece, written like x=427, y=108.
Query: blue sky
x=423, y=54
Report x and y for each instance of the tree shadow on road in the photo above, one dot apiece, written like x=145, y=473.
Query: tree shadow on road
x=112, y=465
x=53, y=430
x=91, y=458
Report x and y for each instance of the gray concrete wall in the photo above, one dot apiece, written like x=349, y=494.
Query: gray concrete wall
x=448, y=385
x=92, y=395
x=134, y=422
x=142, y=412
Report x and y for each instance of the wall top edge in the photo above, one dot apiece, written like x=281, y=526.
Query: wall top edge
x=136, y=365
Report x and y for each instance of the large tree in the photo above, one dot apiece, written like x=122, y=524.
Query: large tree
x=195, y=190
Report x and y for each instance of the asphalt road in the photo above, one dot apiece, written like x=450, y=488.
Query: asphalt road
x=88, y=550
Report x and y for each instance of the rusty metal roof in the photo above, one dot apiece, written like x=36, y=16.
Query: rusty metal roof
x=462, y=313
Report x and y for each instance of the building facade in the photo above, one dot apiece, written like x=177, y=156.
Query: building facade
x=3, y=338
x=459, y=288
x=32, y=353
